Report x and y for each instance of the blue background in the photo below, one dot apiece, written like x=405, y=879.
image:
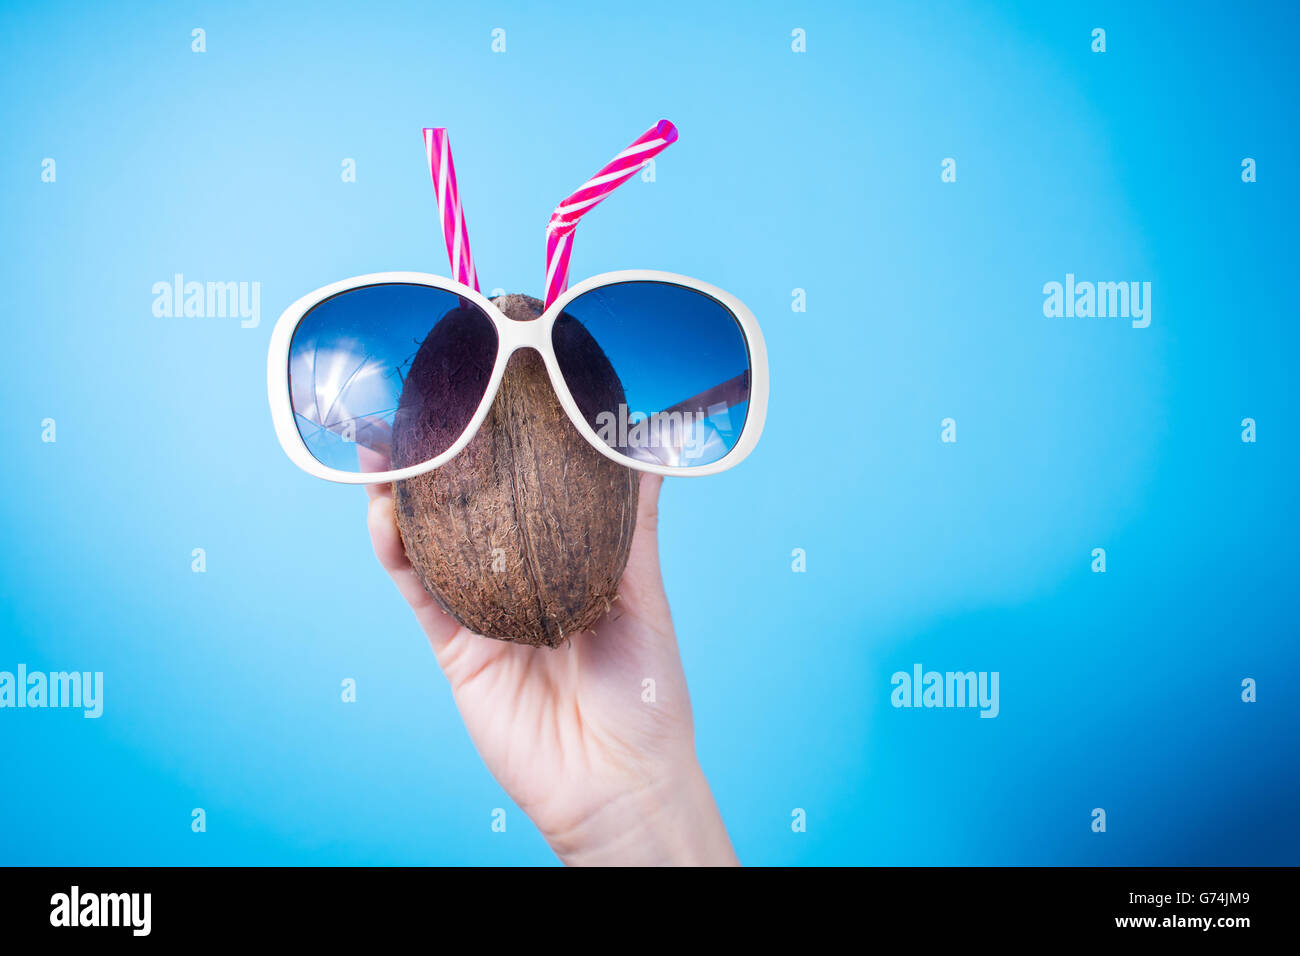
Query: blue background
x=818, y=171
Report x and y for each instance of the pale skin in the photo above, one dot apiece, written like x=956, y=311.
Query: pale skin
x=607, y=777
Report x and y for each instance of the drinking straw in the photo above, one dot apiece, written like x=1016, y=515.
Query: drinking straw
x=559, y=231
x=443, y=171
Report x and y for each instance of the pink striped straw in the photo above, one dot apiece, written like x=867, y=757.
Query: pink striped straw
x=450, y=212
x=565, y=219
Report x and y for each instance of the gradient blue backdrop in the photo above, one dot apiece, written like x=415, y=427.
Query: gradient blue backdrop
x=817, y=171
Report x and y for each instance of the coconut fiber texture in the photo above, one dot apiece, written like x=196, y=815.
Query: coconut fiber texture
x=524, y=535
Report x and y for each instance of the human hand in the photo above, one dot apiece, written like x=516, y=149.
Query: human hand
x=606, y=777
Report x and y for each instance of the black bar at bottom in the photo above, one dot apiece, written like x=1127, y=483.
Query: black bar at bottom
x=237, y=904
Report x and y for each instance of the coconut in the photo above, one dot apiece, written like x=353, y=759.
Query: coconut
x=524, y=535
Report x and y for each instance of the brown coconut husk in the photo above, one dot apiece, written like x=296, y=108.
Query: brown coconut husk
x=524, y=535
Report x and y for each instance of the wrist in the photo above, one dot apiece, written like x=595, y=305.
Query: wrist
x=671, y=821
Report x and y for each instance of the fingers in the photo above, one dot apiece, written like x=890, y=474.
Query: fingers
x=387, y=542
x=370, y=460
x=385, y=537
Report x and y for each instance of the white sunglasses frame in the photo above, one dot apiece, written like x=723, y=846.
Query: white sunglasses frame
x=512, y=335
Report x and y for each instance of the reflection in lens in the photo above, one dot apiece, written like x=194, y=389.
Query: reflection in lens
x=682, y=361
x=387, y=376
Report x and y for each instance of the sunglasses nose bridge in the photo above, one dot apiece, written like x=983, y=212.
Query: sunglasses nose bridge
x=517, y=334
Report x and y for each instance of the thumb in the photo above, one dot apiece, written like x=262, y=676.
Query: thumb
x=647, y=510
x=642, y=582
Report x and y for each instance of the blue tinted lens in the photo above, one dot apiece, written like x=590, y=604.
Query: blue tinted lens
x=388, y=376
x=682, y=363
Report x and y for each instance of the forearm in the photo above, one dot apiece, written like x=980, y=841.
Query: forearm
x=673, y=822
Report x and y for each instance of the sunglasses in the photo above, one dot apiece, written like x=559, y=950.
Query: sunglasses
x=387, y=376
